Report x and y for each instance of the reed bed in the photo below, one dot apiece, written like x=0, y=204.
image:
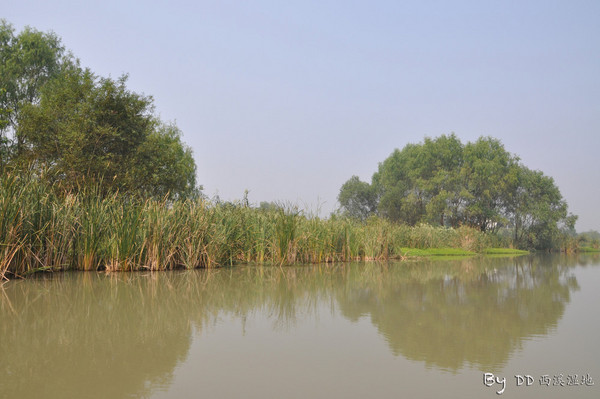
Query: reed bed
x=42, y=228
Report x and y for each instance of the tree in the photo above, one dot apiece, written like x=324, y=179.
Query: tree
x=420, y=182
x=89, y=129
x=489, y=174
x=537, y=210
x=75, y=128
x=4, y=143
x=27, y=62
x=164, y=166
x=439, y=178
x=590, y=238
x=480, y=184
x=358, y=199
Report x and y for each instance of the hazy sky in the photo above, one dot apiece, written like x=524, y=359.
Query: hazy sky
x=289, y=99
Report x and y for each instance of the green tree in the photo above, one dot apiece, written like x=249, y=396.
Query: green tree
x=489, y=174
x=440, y=162
x=537, y=211
x=88, y=129
x=358, y=199
x=480, y=184
x=164, y=166
x=27, y=62
x=4, y=143
x=420, y=183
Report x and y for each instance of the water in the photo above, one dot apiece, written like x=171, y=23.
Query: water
x=381, y=330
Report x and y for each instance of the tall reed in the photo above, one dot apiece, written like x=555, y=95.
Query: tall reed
x=43, y=228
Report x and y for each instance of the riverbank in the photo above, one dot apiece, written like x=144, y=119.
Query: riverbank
x=589, y=249
x=41, y=230
x=459, y=252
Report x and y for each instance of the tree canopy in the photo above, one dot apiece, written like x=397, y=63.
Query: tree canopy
x=358, y=198
x=75, y=128
x=27, y=61
x=444, y=182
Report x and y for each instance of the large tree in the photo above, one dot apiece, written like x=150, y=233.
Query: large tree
x=164, y=166
x=90, y=129
x=358, y=199
x=419, y=183
x=489, y=174
x=480, y=184
x=537, y=210
x=75, y=128
x=28, y=60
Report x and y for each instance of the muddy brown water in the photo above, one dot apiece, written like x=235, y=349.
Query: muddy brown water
x=456, y=328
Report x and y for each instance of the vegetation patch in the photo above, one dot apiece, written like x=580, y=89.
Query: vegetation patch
x=443, y=182
x=437, y=252
x=504, y=251
x=589, y=249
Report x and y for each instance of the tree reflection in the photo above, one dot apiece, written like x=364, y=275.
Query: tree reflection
x=79, y=335
x=124, y=334
x=451, y=314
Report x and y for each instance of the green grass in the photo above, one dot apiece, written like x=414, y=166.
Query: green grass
x=589, y=249
x=504, y=251
x=437, y=252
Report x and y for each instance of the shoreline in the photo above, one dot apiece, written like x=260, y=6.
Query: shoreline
x=409, y=254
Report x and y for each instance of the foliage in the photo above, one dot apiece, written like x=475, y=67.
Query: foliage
x=89, y=129
x=269, y=206
x=590, y=239
x=77, y=129
x=505, y=251
x=4, y=142
x=418, y=183
x=537, y=209
x=480, y=184
x=489, y=177
x=438, y=252
x=358, y=199
x=164, y=166
x=27, y=61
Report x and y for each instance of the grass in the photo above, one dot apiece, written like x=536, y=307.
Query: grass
x=588, y=249
x=504, y=251
x=44, y=229
x=437, y=252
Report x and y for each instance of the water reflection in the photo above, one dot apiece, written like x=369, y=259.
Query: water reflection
x=470, y=312
x=124, y=335
x=84, y=334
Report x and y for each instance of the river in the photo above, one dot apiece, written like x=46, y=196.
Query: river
x=527, y=327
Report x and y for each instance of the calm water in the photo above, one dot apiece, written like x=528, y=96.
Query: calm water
x=374, y=330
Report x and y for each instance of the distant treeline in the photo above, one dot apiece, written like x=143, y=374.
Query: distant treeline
x=444, y=182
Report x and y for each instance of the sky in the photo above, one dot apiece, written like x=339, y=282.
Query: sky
x=289, y=99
